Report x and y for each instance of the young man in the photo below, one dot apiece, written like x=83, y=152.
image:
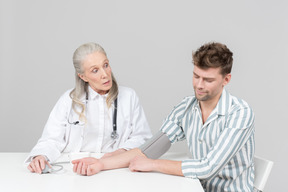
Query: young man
x=218, y=127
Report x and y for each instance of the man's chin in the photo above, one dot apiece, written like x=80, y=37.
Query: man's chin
x=202, y=98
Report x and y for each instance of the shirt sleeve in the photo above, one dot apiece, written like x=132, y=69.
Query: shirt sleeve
x=172, y=125
x=52, y=140
x=140, y=128
x=239, y=127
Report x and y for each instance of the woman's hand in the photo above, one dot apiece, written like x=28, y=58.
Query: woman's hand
x=38, y=164
x=87, y=166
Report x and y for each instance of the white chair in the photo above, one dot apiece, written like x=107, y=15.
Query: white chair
x=263, y=168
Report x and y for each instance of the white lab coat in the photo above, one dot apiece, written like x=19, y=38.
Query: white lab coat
x=61, y=136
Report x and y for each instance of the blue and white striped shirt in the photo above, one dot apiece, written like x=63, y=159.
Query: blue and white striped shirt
x=222, y=149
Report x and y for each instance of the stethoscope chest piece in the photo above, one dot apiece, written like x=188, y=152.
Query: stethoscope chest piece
x=114, y=134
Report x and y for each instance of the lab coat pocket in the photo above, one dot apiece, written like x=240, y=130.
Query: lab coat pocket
x=73, y=137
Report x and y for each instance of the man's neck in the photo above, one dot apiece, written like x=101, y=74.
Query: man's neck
x=207, y=107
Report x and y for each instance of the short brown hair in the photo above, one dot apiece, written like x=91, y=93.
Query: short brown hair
x=214, y=55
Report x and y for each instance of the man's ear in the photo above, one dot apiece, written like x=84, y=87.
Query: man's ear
x=227, y=79
x=82, y=77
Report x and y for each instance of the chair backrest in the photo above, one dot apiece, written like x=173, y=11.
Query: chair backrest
x=263, y=168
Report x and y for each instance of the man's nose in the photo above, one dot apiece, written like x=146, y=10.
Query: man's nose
x=200, y=83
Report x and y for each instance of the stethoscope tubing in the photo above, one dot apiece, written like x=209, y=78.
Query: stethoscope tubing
x=114, y=134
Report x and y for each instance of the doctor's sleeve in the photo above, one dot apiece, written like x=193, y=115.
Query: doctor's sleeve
x=140, y=130
x=52, y=140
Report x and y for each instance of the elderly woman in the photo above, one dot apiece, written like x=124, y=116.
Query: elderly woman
x=96, y=116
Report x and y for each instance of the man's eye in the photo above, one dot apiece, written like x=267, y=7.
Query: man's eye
x=106, y=65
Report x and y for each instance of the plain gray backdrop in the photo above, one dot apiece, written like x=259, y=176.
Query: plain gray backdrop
x=149, y=44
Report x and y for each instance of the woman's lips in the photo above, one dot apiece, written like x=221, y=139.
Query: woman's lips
x=106, y=83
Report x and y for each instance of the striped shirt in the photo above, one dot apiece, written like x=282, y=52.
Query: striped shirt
x=222, y=149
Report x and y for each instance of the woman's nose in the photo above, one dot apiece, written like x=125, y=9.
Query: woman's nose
x=104, y=74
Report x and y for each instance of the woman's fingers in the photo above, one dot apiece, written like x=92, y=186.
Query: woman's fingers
x=30, y=167
x=43, y=164
x=84, y=169
x=37, y=164
x=75, y=161
x=75, y=167
x=79, y=168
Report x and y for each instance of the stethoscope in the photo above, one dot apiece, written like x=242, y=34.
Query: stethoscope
x=114, y=134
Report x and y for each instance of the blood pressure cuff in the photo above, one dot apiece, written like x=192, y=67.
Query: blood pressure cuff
x=156, y=146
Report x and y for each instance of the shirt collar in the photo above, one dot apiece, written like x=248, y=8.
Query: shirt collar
x=222, y=106
x=224, y=103
x=93, y=94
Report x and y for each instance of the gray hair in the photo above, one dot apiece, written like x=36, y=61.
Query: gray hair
x=81, y=86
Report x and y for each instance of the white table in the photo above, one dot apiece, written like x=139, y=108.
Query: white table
x=14, y=176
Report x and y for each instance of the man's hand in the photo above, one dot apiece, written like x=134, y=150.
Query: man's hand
x=38, y=164
x=141, y=163
x=87, y=166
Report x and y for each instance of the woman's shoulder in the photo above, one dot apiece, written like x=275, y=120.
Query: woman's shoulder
x=66, y=94
x=65, y=97
x=126, y=90
x=64, y=101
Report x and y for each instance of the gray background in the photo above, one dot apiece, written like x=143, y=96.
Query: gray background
x=149, y=44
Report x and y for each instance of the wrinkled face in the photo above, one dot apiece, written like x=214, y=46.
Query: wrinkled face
x=97, y=72
x=208, y=83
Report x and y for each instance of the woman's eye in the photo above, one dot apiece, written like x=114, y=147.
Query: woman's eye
x=94, y=70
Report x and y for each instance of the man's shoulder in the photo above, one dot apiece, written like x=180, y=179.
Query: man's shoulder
x=234, y=106
x=189, y=101
x=240, y=110
x=239, y=103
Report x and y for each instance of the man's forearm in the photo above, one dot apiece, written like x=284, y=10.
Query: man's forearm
x=168, y=167
x=121, y=160
x=145, y=164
